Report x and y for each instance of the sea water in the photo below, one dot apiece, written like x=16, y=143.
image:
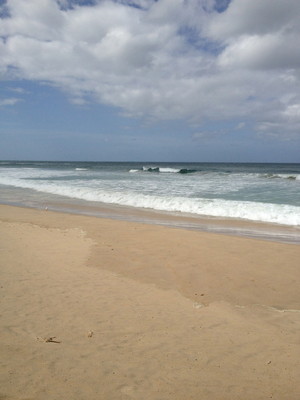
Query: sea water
x=254, y=192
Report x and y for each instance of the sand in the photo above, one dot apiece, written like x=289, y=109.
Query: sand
x=93, y=308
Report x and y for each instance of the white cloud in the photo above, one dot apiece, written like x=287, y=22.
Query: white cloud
x=293, y=111
x=240, y=125
x=211, y=134
x=165, y=59
x=9, y=101
x=255, y=17
x=270, y=51
x=17, y=90
x=259, y=34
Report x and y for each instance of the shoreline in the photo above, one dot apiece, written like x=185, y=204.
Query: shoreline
x=228, y=226
x=98, y=309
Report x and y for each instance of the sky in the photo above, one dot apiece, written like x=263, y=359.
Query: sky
x=150, y=80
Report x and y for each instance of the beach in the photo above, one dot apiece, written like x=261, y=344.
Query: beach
x=96, y=308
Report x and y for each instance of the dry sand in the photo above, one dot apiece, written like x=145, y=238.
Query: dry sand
x=142, y=312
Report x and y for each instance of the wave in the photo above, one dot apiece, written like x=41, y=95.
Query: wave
x=282, y=176
x=81, y=169
x=168, y=170
x=255, y=211
x=151, y=169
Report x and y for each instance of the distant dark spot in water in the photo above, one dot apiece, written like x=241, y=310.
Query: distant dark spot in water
x=187, y=171
x=293, y=178
x=156, y=169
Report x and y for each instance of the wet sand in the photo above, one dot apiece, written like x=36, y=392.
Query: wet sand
x=94, y=308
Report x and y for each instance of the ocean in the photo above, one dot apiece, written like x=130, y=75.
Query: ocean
x=265, y=193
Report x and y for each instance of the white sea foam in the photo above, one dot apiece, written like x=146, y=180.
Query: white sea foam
x=169, y=170
x=255, y=211
x=210, y=194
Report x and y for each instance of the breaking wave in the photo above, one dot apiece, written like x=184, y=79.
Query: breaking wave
x=260, y=195
x=255, y=211
x=282, y=176
x=168, y=170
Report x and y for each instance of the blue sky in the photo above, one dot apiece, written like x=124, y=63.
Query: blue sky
x=166, y=80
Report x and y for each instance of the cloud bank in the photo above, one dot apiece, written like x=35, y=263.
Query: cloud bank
x=198, y=60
